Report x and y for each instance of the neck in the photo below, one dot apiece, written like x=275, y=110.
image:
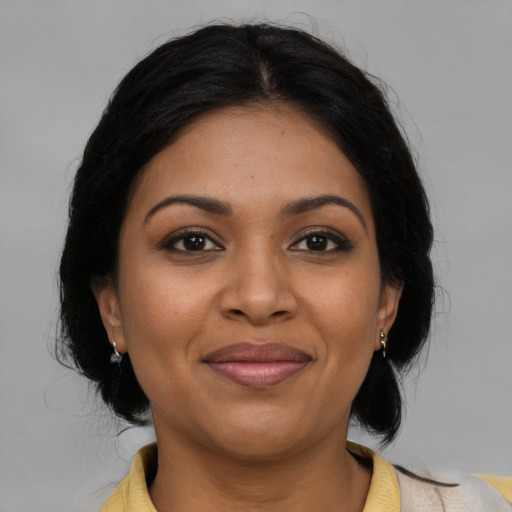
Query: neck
x=325, y=477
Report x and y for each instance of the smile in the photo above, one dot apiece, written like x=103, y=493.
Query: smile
x=257, y=366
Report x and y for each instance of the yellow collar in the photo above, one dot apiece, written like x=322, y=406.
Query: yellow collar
x=384, y=493
x=132, y=494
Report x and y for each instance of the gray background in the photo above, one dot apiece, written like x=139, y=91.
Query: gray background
x=449, y=64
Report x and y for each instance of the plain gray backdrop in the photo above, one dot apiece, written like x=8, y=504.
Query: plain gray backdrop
x=449, y=66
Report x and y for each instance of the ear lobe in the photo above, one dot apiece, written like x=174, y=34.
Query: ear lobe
x=108, y=303
x=388, y=309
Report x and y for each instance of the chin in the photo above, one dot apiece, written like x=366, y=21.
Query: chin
x=268, y=438
x=261, y=447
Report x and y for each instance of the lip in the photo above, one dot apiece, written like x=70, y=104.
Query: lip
x=257, y=365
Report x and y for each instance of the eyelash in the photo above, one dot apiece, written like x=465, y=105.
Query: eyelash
x=169, y=243
x=342, y=243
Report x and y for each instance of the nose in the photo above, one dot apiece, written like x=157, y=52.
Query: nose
x=258, y=291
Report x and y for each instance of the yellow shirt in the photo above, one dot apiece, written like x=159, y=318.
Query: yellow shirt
x=132, y=495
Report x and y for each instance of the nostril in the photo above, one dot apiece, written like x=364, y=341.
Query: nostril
x=278, y=313
x=238, y=312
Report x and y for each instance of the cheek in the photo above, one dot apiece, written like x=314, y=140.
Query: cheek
x=162, y=312
x=345, y=306
x=344, y=310
x=162, y=318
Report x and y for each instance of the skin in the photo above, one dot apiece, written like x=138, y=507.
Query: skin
x=224, y=446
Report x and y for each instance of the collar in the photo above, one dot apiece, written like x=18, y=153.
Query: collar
x=384, y=493
x=132, y=494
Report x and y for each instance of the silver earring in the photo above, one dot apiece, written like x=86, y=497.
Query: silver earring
x=383, y=341
x=116, y=357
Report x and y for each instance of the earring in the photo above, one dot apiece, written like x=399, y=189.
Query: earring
x=116, y=357
x=383, y=341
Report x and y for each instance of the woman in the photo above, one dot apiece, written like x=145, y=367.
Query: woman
x=248, y=258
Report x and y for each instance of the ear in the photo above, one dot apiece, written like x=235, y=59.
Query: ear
x=388, y=308
x=108, y=303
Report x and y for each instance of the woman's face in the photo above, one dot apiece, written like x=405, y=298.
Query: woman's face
x=249, y=294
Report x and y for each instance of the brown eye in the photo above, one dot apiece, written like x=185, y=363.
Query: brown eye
x=317, y=243
x=191, y=242
x=320, y=241
x=194, y=243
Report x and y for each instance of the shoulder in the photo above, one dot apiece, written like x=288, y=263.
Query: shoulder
x=502, y=484
x=116, y=502
x=394, y=489
x=132, y=494
x=466, y=493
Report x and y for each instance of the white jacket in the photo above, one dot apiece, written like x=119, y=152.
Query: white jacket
x=471, y=494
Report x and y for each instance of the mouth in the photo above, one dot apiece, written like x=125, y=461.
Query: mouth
x=257, y=365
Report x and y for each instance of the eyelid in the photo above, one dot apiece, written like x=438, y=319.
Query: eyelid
x=174, y=237
x=344, y=244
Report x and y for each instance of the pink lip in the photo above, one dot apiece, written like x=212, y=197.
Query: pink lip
x=257, y=366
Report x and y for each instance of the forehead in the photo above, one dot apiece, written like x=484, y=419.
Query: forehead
x=258, y=155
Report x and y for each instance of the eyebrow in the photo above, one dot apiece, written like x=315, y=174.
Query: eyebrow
x=204, y=203
x=308, y=204
x=297, y=207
